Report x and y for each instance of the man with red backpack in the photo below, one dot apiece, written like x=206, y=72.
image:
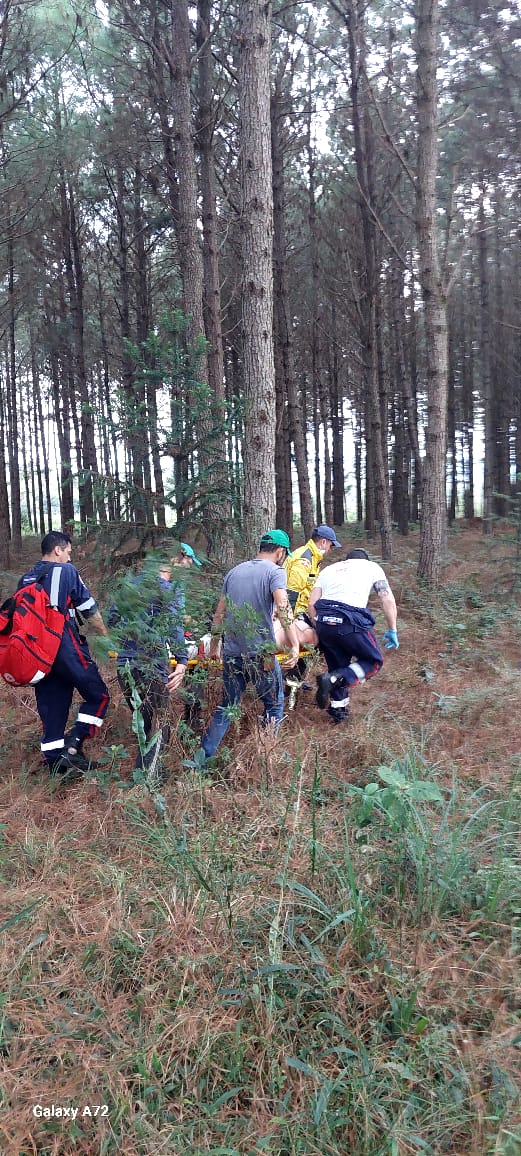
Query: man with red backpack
x=73, y=668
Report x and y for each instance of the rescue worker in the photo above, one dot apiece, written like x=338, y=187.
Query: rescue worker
x=250, y=594
x=338, y=607
x=73, y=667
x=302, y=570
x=304, y=564
x=157, y=634
x=186, y=556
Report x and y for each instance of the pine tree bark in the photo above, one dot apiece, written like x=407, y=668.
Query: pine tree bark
x=337, y=424
x=502, y=381
x=257, y=269
x=220, y=510
x=74, y=273
x=59, y=372
x=434, y=514
x=364, y=146
x=314, y=303
x=135, y=426
x=403, y=370
x=41, y=450
x=486, y=377
x=452, y=456
x=5, y=528
x=283, y=329
x=12, y=410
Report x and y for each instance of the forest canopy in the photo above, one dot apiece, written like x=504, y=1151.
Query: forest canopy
x=258, y=264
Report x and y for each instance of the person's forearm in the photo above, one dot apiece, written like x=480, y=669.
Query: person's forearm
x=218, y=617
x=316, y=593
x=285, y=616
x=97, y=622
x=389, y=609
x=216, y=628
x=292, y=636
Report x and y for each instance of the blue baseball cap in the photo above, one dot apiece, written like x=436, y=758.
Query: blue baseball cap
x=327, y=533
x=186, y=549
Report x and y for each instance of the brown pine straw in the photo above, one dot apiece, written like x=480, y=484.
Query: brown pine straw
x=125, y=954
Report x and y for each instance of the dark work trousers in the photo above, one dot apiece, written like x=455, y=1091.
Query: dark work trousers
x=151, y=689
x=352, y=654
x=73, y=669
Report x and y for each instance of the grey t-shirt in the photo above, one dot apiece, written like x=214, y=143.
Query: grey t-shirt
x=248, y=589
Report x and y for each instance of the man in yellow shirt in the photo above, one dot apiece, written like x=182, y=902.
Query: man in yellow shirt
x=303, y=566
x=302, y=572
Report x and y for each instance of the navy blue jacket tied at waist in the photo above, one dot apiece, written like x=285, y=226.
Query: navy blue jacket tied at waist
x=335, y=613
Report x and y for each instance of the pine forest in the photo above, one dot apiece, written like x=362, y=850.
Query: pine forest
x=260, y=352
x=259, y=265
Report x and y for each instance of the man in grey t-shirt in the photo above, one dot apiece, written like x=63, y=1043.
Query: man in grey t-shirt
x=251, y=592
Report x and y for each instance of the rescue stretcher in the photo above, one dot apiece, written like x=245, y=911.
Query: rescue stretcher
x=199, y=655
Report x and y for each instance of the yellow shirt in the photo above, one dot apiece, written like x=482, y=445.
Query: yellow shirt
x=301, y=572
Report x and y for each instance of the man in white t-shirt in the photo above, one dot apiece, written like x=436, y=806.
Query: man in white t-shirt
x=338, y=608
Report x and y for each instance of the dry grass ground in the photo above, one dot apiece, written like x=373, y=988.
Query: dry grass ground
x=273, y=962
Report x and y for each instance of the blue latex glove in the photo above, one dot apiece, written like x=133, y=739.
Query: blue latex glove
x=391, y=640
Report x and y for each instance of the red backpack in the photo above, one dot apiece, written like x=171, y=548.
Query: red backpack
x=31, y=628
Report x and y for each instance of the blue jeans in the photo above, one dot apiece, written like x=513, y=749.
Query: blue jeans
x=237, y=673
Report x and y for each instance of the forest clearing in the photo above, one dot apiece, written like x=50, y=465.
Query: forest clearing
x=316, y=951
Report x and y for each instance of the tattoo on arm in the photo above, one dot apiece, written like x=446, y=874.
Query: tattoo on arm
x=285, y=614
x=381, y=586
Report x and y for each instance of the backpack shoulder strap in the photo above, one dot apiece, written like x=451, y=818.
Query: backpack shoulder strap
x=55, y=582
x=55, y=586
x=7, y=610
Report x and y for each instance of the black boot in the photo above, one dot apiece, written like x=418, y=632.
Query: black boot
x=74, y=748
x=323, y=694
x=68, y=768
x=339, y=714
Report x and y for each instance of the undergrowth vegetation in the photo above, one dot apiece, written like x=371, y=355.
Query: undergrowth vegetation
x=317, y=953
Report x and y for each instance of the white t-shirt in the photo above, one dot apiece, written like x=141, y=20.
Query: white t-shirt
x=350, y=581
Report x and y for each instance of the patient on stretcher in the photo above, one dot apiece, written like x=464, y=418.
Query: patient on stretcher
x=307, y=636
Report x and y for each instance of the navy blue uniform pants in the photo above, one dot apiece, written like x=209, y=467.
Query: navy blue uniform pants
x=352, y=655
x=151, y=692
x=73, y=669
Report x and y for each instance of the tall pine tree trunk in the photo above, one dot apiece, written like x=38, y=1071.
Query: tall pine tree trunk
x=283, y=329
x=337, y=423
x=486, y=376
x=5, y=528
x=434, y=513
x=364, y=145
x=136, y=432
x=12, y=412
x=220, y=509
x=257, y=269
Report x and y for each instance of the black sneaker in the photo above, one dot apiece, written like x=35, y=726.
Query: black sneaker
x=323, y=690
